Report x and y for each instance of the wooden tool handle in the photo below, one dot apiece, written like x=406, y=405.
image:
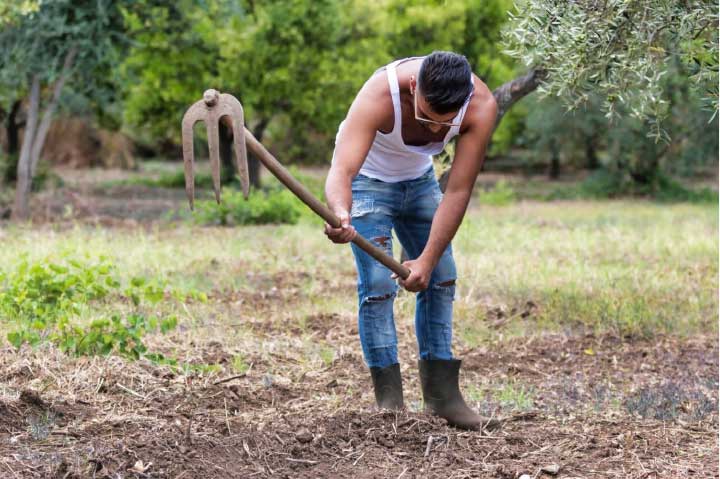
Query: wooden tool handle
x=323, y=211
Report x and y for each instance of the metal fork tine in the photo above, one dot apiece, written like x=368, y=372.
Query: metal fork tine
x=215, y=106
x=214, y=149
x=193, y=114
x=241, y=161
x=230, y=107
x=241, y=158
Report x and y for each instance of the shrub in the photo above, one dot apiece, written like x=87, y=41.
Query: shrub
x=605, y=184
x=273, y=206
x=501, y=194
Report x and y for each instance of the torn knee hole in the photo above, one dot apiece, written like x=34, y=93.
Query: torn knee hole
x=447, y=283
x=382, y=240
x=383, y=297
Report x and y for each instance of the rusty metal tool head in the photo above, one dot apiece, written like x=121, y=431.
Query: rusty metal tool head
x=215, y=105
x=211, y=109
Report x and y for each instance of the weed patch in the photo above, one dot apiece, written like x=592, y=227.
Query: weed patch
x=44, y=299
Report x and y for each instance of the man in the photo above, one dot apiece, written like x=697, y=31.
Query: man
x=382, y=179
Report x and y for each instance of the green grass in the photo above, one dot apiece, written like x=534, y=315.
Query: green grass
x=515, y=396
x=629, y=268
x=511, y=395
x=602, y=185
x=239, y=364
x=632, y=268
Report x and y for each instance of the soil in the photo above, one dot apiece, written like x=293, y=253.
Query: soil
x=602, y=408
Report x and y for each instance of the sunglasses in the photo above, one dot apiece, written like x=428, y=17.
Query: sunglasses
x=426, y=120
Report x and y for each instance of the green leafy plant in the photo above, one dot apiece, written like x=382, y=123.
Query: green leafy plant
x=103, y=336
x=44, y=299
x=262, y=207
x=173, y=179
x=37, y=295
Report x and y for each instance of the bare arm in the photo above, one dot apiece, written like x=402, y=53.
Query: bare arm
x=353, y=143
x=469, y=157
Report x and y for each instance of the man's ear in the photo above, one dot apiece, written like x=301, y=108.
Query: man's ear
x=413, y=84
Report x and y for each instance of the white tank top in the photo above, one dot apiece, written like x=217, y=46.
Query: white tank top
x=389, y=158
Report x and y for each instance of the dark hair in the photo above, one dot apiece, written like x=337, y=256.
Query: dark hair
x=445, y=79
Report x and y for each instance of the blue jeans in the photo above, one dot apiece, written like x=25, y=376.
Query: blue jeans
x=408, y=208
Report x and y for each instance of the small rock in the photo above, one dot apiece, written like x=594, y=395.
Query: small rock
x=304, y=435
x=552, y=469
x=140, y=467
x=525, y=476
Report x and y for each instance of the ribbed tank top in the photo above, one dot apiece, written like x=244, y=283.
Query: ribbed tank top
x=389, y=158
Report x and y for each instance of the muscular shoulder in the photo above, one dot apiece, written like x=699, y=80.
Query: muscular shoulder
x=374, y=99
x=482, y=110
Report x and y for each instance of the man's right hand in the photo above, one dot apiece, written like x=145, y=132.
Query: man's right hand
x=345, y=233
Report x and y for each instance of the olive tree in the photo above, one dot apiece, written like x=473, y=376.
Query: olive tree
x=42, y=46
x=618, y=49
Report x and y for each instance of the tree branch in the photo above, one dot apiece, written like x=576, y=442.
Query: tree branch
x=21, y=208
x=507, y=94
x=39, y=140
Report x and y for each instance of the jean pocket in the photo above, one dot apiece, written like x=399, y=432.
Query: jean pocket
x=361, y=206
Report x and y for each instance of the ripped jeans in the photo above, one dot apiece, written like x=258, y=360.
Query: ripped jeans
x=407, y=207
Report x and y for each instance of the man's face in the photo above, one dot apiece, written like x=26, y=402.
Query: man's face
x=425, y=115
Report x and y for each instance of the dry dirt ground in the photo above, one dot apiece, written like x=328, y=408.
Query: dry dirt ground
x=574, y=407
x=601, y=408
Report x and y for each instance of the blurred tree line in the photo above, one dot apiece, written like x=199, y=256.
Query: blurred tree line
x=626, y=95
x=296, y=65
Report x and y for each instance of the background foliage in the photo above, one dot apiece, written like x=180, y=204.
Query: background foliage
x=635, y=96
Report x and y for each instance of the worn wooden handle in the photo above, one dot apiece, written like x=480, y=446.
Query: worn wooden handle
x=323, y=211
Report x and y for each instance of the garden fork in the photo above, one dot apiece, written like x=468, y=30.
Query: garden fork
x=215, y=107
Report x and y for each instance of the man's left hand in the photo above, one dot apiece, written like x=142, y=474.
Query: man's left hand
x=420, y=272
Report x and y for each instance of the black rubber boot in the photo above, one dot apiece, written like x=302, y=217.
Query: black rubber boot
x=441, y=392
x=388, y=387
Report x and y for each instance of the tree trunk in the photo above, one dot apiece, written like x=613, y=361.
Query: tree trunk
x=12, y=131
x=41, y=136
x=506, y=95
x=226, y=153
x=590, y=154
x=554, y=171
x=253, y=162
x=21, y=209
x=12, y=128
